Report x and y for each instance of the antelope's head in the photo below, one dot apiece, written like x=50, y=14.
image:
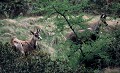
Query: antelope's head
x=36, y=35
x=103, y=19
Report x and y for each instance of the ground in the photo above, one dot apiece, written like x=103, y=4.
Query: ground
x=21, y=27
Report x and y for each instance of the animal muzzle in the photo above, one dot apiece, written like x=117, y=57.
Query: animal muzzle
x=40, y=37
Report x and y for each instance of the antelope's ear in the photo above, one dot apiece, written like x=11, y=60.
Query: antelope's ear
x=103, y=15
x=32, y=32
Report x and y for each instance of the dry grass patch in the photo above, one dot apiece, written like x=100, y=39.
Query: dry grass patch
x=6, y=29
x=111, y=70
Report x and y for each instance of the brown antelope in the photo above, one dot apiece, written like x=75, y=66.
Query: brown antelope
x=28, y=45
x=97, y=25
x=94, y=29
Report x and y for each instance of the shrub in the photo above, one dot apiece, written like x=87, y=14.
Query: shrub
x=114, y=47
x=13, y=62
x=12, y=9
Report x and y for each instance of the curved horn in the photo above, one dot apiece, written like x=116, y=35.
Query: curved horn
x=38, y=30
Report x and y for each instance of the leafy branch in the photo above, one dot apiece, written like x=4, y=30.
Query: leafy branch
x=63, y=15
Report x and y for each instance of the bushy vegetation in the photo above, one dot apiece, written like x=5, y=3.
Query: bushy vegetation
x=12, y=9
x=90, y=56
x=13, y=62
x=100, y=54
x=98, y=6
x=114, y=48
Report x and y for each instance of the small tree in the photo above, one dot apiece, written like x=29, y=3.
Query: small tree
x=67, y=15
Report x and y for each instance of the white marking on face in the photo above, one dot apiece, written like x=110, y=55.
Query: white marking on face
x=36, y=43
x=17, y=44
x=40, y=37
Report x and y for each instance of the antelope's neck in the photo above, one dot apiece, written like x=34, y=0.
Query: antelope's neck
x=96, y=27
x=33, y=43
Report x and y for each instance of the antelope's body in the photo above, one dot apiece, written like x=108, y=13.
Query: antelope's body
x=94, y=29
x=25, y=46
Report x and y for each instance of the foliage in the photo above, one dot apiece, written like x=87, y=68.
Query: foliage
x=11, y=61
x=65, y=17
x=114, y=8
x=90, y=56
x=100, y=6
x=100, y=54
x=64, y=11
x=12, y=9
x=114, y=47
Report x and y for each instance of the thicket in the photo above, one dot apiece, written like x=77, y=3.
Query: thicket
x=14, y=8
x=12, y=62
x=98, y=54
x=99, y=6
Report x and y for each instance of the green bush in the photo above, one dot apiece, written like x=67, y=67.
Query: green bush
x=11, y=9
x=13, y=62
x=114, y=47
x=103, y=52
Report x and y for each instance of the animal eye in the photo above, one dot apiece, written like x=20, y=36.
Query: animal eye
x=36, y=35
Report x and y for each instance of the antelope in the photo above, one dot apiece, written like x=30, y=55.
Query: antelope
x=28, y=45
x=95, y=29
x=97, y=25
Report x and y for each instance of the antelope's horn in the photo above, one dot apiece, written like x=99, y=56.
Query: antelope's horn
x=38, y=30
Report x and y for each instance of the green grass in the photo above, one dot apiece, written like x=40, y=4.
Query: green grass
x=46, y=46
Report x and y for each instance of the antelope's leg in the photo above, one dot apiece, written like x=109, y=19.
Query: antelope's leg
x=21, y=48
x=34, y=52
